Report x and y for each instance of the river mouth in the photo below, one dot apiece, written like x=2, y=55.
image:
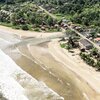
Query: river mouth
x=57, y=81
x=52, y=75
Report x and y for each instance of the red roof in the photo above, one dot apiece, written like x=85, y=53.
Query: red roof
x=97, y=39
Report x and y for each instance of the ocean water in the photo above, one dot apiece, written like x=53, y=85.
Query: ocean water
x=63, y=86
x=16, y=84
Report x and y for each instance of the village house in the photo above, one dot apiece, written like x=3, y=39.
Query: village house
x=98, y=34
x=79, y=29
x=84, y=44
x=97, y=41
x=40, y=11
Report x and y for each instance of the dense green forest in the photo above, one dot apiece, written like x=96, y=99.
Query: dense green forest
x=84, y=12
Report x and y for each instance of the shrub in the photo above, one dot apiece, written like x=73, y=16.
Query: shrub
x=86, y=57
x=25, y=27
x=37, y=29
x=63, y=45
x=97, y=65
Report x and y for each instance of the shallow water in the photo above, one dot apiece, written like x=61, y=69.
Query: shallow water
x=63, y=85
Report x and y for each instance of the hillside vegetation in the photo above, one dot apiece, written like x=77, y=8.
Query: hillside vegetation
x=26, y=16
x=85, y=12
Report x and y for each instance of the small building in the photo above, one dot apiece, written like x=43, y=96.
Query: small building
x=84, y=44
x=98, y=34
x=40, y=11
x=42, y=27
x=65, y=20
x=51, y=10
x=64, y=25
x=56, y=25
x=97, y=39
x=69, y=23
x=79, y=29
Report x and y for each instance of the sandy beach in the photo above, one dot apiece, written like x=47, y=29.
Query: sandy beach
x=59, y=63
x=16, y=84
x=84, y=73
x=67, y=68
x=25, y=34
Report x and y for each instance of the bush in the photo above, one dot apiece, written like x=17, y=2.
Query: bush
x=26, y=16
x=86, y=57
x=37, y=29
x=97, y=65
x=63, y=45
x=25, y=27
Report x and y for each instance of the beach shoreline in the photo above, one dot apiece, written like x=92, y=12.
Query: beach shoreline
x=85, y=88
x=89, y=87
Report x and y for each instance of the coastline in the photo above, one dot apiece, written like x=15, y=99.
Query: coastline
x=16, y=84
x=90, y=92
x=26, y=34
x=60, y=83
x=77, y=66
x=81, y=84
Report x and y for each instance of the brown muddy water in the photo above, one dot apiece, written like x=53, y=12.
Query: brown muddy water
x=64, y=86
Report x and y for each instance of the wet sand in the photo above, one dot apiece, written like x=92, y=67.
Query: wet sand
x=30, y=62
x=53, y=75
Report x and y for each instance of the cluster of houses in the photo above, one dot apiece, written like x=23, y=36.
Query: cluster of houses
x=83, y=43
